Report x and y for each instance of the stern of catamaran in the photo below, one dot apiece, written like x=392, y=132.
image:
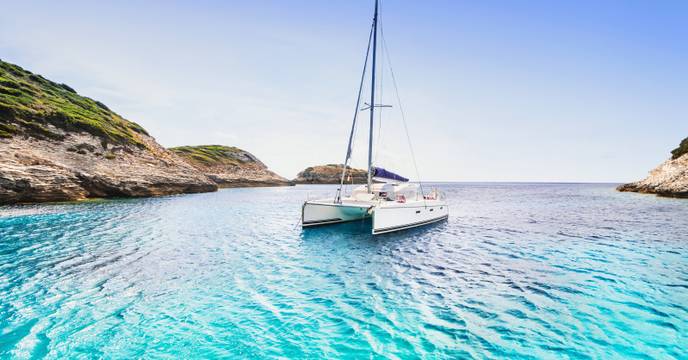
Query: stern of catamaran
x=358, y=206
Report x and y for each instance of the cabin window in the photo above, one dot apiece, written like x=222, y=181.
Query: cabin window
x=441, y=207
x=417, y=211
x=432, y=209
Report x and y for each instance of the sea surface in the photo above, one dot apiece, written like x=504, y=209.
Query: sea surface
x=518, y=271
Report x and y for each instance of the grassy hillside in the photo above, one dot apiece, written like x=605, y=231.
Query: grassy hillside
x=680, y=150
x=29, y=103
x=213, y=155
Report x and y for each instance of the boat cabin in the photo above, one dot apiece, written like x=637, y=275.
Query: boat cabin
x=387, y=191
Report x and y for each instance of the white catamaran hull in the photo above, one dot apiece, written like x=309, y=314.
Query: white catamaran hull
x=405, y=216
x=387, y=216
x=323, y=213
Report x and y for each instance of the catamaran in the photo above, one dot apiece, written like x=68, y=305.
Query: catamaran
x=389, y=199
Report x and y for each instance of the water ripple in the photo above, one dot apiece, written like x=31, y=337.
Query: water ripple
x=518, y=271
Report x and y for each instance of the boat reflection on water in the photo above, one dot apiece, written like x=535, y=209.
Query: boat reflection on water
x=360, y=229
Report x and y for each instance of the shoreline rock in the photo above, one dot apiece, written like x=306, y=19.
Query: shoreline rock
x=669, y=179
x=35, y=170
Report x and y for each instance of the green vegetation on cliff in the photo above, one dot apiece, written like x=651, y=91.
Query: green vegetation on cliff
x=211, y=155
x=29, y=103
x=680, y=150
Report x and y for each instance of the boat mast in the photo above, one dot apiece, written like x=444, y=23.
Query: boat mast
x=372, y=104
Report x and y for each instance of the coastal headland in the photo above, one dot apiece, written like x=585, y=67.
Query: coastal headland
x=669, y=179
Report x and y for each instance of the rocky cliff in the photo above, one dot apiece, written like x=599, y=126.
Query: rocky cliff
x=330, y=174
x=229, y=166
x=56, y=145
x=668, y=179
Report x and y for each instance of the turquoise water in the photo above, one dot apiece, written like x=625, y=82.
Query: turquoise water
x=518, y=271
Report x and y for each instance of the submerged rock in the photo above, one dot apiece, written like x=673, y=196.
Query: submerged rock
x=330, y=174
x=229, y=166
x=56, y=145
x=668, y=179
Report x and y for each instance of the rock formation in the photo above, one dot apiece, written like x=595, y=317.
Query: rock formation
x=330, y=174
x=229, y=166
x=668, y=179
x=56, y=145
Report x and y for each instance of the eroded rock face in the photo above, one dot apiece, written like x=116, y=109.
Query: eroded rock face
x=57, y=145
x=330, y=174
x=81, y=166
x=229, y=166
x=668, y=179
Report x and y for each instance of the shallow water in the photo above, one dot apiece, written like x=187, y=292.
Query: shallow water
x=519, y=270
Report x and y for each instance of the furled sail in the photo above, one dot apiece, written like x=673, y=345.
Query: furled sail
x=386, y=174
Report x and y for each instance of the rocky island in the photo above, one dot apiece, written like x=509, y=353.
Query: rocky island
x=330, y=174
x=668, y=179
x=229, y=166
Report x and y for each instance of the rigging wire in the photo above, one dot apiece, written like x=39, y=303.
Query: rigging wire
x=355, y=137
x=403, y=115
x=353, y=125
x=353, y=147
x=356, y=130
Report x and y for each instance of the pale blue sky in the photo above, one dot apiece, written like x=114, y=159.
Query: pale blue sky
x=493, y=90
